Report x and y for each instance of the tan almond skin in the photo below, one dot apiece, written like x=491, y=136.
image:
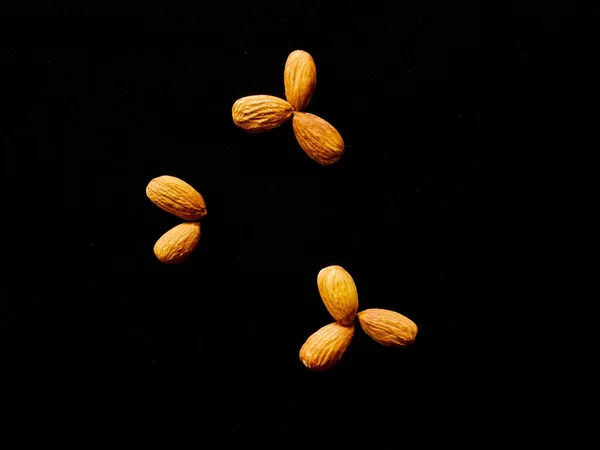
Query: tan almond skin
x=299, y=79
x=178, y=243
x=318, y=138
x=177, y=197
x=325, y=347
x=388, y=328
x=339, y=294
x=260, y=113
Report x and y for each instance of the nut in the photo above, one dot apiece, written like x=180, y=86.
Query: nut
x=318, y=138
x=324, y=348
x=177, y=197
x=178, y=243
x=339, y=294
x=259, y=113
x=299, y=79
x=387, y=327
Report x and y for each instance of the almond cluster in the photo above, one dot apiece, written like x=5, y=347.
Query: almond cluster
x=259, y=113
x=180, y=199
x=324, y=348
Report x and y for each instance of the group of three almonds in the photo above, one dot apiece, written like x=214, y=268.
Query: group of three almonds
x=325, y=347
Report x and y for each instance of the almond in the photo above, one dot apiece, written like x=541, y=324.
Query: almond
x=318, y=138
x=339, y=294
x=178, y=243
x=299, y=79
x=387, y=327
x=324, y=348
x=259, y=113
x=177, y=197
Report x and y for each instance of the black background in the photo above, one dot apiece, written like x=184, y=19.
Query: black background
x=104, y=341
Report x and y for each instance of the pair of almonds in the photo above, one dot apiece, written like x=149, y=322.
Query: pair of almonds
x=177, y=197
x=324, y=348
x=260, y=113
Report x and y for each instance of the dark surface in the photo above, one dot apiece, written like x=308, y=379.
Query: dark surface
x=104, y=341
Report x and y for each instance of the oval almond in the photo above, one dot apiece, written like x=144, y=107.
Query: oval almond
x=299, y=79
x=326, y=346
x=178, y=243
x=259, y=113
x=388, y=328
x=177, y=197
x=318, y=138
x=339, y=294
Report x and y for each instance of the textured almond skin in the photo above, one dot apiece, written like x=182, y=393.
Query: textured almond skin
x=260, y=113
x=338, y=292
x=299, y=79
x=387, y=327
x=178, y=243
x=177, y=197
x=318, y=138
x=325, y=347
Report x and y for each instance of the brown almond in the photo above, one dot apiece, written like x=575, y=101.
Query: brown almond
x=324, y=348
x=387, y=327
x=318, y=138
x=299, y=79
x=259, y=113
x=339, y=294
x=178, y=243
x=177, y=197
